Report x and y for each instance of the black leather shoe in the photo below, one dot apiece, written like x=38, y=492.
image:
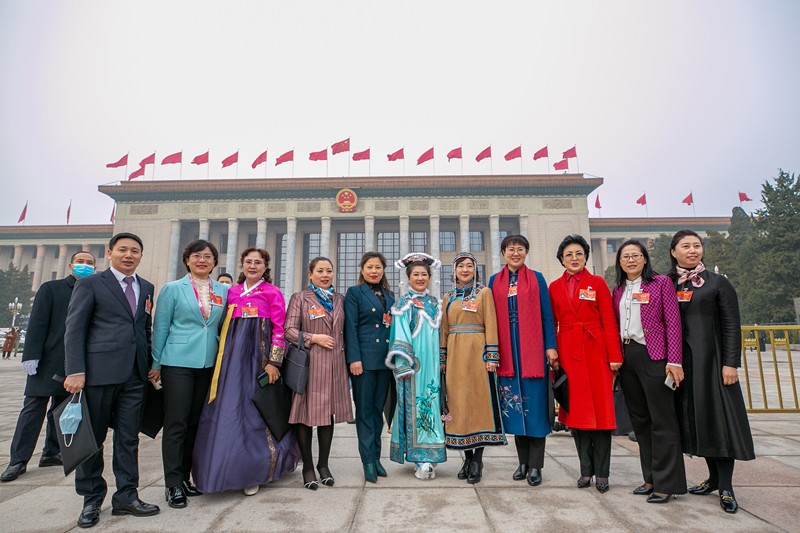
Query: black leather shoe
x=370, y=473
x=534, y=477
x=175, y=497
x=90, y=516
x=189, y=489
x=584, y=482
x=50, y=460
x=137, y=508
x=643, y=491
x=521, y=473
x=655, y=498
x=728, y=502
x=475, y=472
x=602, y=488
x=379, y=469
x=702, y=489
x=13, y=472
x=464, y=472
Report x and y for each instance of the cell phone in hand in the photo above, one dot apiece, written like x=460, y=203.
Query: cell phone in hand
x=670, y=382
x=263, y=380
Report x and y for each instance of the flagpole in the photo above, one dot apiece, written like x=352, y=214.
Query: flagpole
x=369, y=162
x=521, y=159
x=266, y=163
x=208, y=164
x=349, y=153
x=404, y=160
x=154, y=166
x=326, y=162
x=292, y=161
x=694, y=212
x=548, y=158
x=491, y=161
x=434, y=160
x=462, y=159
x=127, y=156
x=180, y=172
x=646, y=210
x=577, y=161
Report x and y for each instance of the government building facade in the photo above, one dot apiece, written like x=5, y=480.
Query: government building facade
x=296, y=219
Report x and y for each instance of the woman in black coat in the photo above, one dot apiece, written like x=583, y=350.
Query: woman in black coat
x=711, y=409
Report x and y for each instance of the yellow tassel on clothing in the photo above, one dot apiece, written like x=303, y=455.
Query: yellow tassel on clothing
x=218, y=365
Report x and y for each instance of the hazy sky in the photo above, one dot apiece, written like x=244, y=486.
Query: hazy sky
x=662, y=97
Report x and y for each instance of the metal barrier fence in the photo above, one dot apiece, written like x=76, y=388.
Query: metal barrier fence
x=770, y=381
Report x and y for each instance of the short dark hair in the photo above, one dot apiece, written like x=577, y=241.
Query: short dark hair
x=678, y=237
x=124, y=235
x=647, y=274
x=264, y=255
x=572, y=239
x=366, y=257
x=410, y=267
x=225, y=275
x=198, y=246
x=515, y=239
x=316, y=260
x=72, y=259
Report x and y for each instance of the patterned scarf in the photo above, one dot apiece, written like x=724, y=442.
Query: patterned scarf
x=324, y=296
x=472, y=289
x=692, y=275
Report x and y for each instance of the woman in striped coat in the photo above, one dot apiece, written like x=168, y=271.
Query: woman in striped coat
x=319, y=312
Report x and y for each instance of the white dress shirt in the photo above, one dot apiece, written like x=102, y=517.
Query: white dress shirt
x=630, y=314
x=121, y=279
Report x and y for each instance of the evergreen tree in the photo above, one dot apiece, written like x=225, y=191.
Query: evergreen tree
x=659, y=253
x=15, y=283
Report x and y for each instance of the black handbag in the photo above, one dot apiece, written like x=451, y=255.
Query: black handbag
x=561, y=388
x=81, y=446
x=295, y=365
x=274, y=404
x=153, y=411
x=624, y=425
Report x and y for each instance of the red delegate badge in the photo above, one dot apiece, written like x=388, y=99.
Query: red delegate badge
x=587, y=294
x=684, y=296
x=316, y=312
x=640, y=298
x=249, y=312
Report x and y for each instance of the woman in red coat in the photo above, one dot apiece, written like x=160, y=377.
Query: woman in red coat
x=589, y=345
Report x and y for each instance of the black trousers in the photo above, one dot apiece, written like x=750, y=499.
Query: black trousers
x=370, y=391
x=530, y=450
x=390, y=401
x=594, y=451
x=655, y=422
x=119, y=407
x=185, y=392
x=29, y=425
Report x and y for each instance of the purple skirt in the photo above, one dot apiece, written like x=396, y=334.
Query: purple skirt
x=234, y=448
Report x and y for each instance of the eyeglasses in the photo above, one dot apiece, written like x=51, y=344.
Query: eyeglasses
x=576, y=255
x=628, y=257
x=255, y=262
x=204, y=257
x=513, y=251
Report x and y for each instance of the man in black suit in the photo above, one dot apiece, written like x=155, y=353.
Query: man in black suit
x=107, y=349
x=43, y=358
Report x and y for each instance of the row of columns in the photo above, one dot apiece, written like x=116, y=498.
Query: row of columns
x=60, y=266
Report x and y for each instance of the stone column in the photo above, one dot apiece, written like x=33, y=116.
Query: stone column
x=37, y=270
x=523, y=230
x=463, y=222
x=494, y=244
x=369, y=233
x=261, y=233
x=86, y=247
x=17, y=256
x=325, y=237
x=63, y=261
x=405, y=245
x=233, y=237
x=291, y=245
x=205, y=229
x=174, y=243
x=602, y=254
x=433, y=220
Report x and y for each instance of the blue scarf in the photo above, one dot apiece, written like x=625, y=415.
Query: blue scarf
x=324, y=296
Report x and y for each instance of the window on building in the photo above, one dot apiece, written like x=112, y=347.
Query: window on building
x=311, y=249
x=482, y=274
x=57, y=252
x=223, y=270
x=389, y=246
x=476, y=241
x=611, y=247
x=251, y=240
x=447, y=278
x=35, y=251
x=279, y=264
x=223, y=243
x=419, y=241
x=53, y=275
x=348, y=253
x=447, y=241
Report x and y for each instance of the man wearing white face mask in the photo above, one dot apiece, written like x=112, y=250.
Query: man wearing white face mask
x=43, y=358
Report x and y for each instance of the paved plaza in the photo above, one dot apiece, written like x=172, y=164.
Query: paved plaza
x=768, y=491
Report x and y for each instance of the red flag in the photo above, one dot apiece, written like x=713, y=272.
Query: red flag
x=322, y=155
x=174, y=158
x=121, y=163
x=516, y=153
x=285, y=158
x=642, y=200
x=231, y=159
x=69, y=211
x=688, y=200
x=426, y=156
x=201, y=159
x=361, y=156
x=397, y=155
x=569, y=153
x=149, y=160
x=455, y=153
x=341, y=146
x=562, y=165
x=743, y=197
x=542, y=152
x=260, y=159
x=113, y=212
x=23, y=214
x=138, y=173
x=597, y=202
x=487, y=152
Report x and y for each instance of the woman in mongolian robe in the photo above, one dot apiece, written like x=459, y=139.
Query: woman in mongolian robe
x=234, y=448
x=525, y=335
x=417, y=429
x=469, y=358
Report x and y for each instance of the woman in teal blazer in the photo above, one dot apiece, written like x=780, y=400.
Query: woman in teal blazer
x=188, y=315
x=366, y=333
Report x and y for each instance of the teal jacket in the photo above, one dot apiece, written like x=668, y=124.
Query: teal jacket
x=181, y=336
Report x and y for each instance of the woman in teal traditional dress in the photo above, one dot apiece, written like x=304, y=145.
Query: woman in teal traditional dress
x=417, y=429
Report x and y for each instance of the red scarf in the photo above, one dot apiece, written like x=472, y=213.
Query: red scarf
x=529, y=317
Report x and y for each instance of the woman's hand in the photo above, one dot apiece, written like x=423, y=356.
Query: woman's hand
x=552, y=357
x=273, y=373
x=154, y=375
x=326, y=341
x=677, y=374
x=615, y=366
x=730, y=375
x=356, y=368
x=491, y=366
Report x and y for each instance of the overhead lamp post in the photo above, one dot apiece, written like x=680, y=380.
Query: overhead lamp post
x=14, y=308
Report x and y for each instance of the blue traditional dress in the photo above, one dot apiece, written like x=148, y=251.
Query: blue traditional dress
x=417, y=429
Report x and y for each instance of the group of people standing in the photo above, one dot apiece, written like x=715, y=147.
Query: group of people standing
x=467, y=369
